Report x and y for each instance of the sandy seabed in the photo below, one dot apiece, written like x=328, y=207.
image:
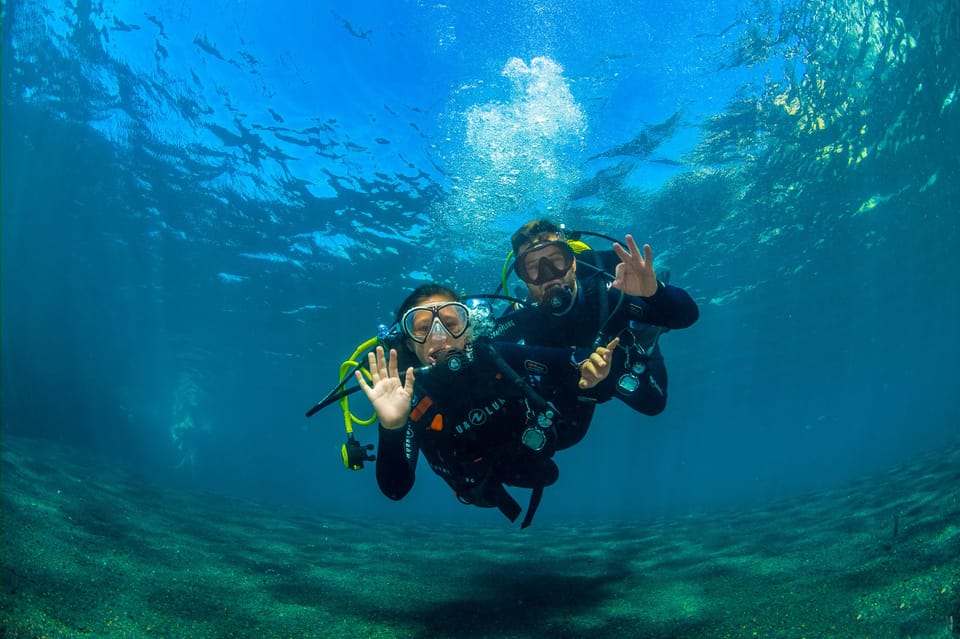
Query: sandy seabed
x=95, y=552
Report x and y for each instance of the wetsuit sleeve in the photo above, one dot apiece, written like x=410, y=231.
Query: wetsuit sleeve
x=396, y=463
x=670, y=307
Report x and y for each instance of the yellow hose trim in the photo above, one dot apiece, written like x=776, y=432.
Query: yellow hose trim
x=347, y=367
x=505, y=273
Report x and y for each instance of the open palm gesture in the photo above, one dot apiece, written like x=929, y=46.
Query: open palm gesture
x=389, y=394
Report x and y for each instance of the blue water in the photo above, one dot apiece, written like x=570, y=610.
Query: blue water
x=206, y=208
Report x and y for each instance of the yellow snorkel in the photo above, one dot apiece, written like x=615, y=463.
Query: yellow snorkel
x=347, y=367
x=352, y=451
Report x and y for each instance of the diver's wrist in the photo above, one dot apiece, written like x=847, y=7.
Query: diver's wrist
x=392, y=425
x=656, y=290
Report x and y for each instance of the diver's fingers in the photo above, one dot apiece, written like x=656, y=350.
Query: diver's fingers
x=392, y=370
x=361, y=382
x=588, y=377
x=589, y=373
x=408, y=381
x=378, y=365
x=647, y=254
x=630, y=254
x=632, y=245
x=610, y=348
x=603, y=354
x=621, y=252
x=372, y=366
x=597, y=366
x=382, y=363
x=600, y=361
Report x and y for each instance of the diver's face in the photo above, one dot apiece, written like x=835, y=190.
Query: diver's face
x=437, y=329
x=554, y=256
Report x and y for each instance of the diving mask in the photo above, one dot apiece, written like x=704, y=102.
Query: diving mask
x=544, y=261
x=421, y=322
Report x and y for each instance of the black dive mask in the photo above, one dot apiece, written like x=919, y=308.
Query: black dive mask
x=546, y=271
x=544, y=262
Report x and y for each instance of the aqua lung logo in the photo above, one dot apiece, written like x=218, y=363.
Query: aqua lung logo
x=479, y=416
x=501, y=329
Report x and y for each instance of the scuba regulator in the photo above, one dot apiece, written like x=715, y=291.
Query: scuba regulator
x=559, y=300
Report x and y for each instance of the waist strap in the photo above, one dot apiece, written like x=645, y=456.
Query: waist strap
x=511, y=509
x=494, y=494
x=532, y=507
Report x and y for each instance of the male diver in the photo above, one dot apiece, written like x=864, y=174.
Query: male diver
x=589, y=306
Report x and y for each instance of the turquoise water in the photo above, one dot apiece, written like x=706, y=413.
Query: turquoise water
x=205, y=209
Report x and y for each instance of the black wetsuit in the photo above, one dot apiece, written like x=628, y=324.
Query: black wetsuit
x=638, y=375
x=469, y=425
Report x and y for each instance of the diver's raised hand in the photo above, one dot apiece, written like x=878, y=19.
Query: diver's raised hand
x=635, y=274
x=389, y=394
x=596, y=367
